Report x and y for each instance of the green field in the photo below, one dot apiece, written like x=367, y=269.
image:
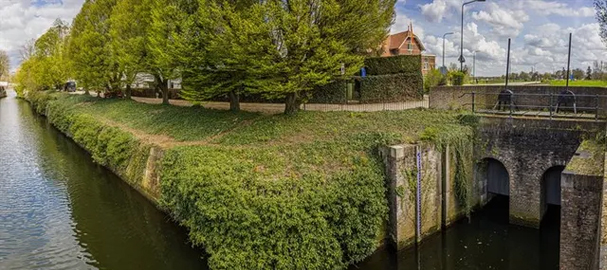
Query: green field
x=595, y=83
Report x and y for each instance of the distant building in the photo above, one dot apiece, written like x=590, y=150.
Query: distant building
x=407, y=43
x=146, y=80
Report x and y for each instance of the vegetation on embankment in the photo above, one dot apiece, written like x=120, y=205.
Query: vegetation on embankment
x=257, y=191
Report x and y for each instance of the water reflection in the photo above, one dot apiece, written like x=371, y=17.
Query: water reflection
x=487, y=241
x=58, y=210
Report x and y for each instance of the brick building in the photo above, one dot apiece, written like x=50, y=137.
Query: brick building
x=407, y=43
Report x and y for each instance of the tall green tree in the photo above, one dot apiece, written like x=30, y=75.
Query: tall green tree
x=90, y=48
x=129, y=22
x=50, y=56
x=282, y=49
x=162, y=62
x=314, y=38
x=4, y=64
x=231, y=40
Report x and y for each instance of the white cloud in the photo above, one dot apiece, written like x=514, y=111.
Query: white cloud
x=401, y=23
x=23, y=20
x=435, y=11
x=438, y=9
x=506, y=22
x=556, y=8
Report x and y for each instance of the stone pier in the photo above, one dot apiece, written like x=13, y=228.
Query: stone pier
x=438, y=203
x=582, y=195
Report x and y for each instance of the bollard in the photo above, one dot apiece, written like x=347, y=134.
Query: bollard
x=596, y=107
x=551, y=101
x=473, y=109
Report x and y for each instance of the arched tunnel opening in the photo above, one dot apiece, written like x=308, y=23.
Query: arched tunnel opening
x=551, y=195
x=497, y=181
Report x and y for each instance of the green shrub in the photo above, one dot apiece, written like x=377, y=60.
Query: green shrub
x=332, y=93
x=457, y=77
x=433, y=79
x=304, y=219
x=108, y=145
x=391, y=88
x=393, y=64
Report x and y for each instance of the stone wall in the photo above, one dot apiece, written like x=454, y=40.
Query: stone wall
x=455, y=97
x=582, y=194
x=439, y=206
x=603, y=230
x=528, y=147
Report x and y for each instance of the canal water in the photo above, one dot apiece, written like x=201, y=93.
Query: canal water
x=486, y=241
x=58, y=210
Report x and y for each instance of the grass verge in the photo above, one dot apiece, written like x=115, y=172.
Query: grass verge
x=595, y=83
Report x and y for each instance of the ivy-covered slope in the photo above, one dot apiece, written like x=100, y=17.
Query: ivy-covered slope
x=258, y=191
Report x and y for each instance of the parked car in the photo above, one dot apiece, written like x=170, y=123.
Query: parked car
x=70, y=87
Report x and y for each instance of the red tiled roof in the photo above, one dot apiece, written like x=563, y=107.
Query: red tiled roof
x=395, y=41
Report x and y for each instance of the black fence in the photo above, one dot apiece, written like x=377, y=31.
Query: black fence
x=563, y=105
x=349, y=96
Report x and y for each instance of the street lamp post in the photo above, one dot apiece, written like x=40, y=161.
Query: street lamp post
x=445, y=35
x=461, y=55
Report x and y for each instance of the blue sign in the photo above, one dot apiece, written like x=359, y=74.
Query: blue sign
x=363, y=72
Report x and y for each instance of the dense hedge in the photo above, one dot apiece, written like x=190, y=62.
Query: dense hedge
x=249, y=221
x=332, y=93
x=108, y=145
x=391, y=88
x=393, y=64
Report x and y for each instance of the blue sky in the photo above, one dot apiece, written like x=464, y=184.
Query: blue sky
x=539, y=29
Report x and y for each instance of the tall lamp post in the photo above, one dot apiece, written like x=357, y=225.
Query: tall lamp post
x=445, y=35
x=461, y=55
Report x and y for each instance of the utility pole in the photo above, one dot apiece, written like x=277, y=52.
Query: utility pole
x=568, y=61
x=508, y=65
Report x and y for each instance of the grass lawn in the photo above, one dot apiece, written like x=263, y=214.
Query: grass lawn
x=596, y=83
x=223, y=127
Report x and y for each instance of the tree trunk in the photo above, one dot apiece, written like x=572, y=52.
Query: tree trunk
x=165, y=93
x=234, y=101
x=292, y=103
x=127, y=93
x=161, y=84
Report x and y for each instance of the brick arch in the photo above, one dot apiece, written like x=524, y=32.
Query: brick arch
x=550, y=188
x=495, y=175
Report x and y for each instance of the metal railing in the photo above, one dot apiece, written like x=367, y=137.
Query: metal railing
x=562, y=105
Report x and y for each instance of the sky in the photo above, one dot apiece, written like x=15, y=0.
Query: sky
x=539, y=30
